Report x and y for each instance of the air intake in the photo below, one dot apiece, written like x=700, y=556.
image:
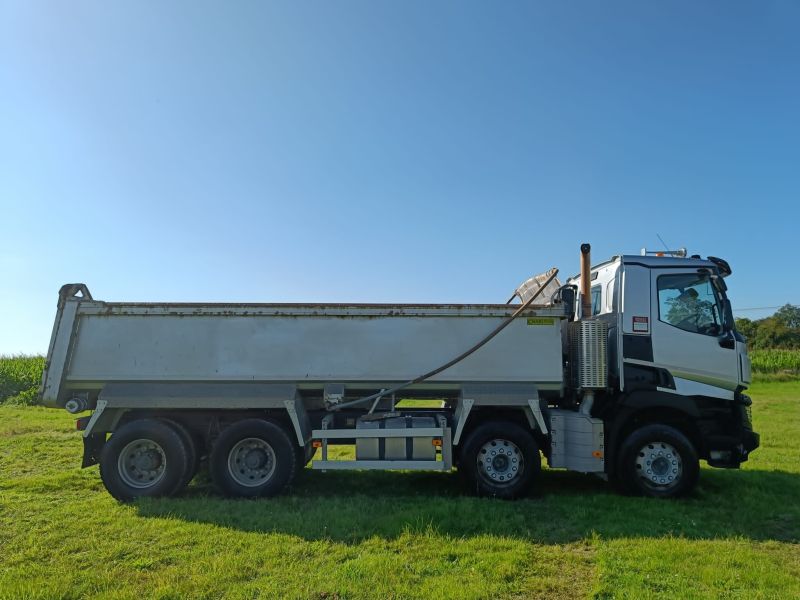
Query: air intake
x=588, y=343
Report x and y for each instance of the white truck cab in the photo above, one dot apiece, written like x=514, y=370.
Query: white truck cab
x=673, y=346
x=671, y=314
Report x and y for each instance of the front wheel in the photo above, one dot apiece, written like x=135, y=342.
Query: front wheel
x=253, y=458
x=658, y=461
x=500, y=459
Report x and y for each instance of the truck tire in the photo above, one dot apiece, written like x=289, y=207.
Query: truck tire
x=146, y=457
x=500, y=459
x=193, y=456
x=658, y=461
x=253, y=458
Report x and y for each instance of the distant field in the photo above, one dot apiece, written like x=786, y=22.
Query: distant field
x=775, y=361
x=20, y=377
x=398, y=535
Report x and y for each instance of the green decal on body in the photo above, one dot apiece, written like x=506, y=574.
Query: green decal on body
x=541, y=321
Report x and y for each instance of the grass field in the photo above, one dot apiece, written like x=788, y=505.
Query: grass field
x=20, y=377
x=775, y=361
x=359, y=535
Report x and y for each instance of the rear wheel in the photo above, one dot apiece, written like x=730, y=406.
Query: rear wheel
x=144, y=458
x=658, y=461
x=253, y=458
x=500, y=459
x=193, y=456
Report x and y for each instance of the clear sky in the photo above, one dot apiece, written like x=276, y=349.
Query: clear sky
x=387, y=151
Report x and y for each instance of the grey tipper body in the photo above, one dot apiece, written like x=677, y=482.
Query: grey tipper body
x=637, y=389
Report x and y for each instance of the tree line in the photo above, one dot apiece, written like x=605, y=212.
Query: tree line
x=781, y=330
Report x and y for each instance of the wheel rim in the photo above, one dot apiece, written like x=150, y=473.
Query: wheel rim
x=500, y=462
x=659, y=465
x=142, y=464
x=251, y=462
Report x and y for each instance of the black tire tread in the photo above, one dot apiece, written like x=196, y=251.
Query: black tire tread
x=170, y=441
x=191, y=450
x=511, y=431
x=627, y=479
x=285, y=456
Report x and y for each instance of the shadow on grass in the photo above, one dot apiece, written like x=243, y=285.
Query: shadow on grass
x=349, y=507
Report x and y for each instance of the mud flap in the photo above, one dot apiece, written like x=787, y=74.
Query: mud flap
x=92, y=446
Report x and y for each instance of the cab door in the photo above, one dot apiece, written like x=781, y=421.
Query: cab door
x=688, y=335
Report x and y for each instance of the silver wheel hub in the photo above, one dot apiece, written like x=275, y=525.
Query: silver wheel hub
x=142, y=463
x=659, y=465
x=251, y=462
x=500, y=461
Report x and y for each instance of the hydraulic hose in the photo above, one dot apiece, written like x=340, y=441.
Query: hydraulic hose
x=458, y=358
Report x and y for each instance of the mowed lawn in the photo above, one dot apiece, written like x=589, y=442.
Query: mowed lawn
x=380, y=535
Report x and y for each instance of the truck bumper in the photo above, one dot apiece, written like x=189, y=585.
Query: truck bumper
x=730, y=453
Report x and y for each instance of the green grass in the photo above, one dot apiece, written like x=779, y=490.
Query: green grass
x=365, y=535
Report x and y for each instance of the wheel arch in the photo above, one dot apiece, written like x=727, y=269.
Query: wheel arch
x=648, y=408
x=517, y=415
x=519, y=435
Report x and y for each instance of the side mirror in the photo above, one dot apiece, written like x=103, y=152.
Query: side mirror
x=728, y=322
x=727, y=341
x=566, y=295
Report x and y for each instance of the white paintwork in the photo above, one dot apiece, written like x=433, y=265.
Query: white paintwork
x=606, y=275
x=689, y=355
x=636, y=297
x=58, y=353
x=744, y=363
x=631, y=289
x=307, y=345
x=687, y=387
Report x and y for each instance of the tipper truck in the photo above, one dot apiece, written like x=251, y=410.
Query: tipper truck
x=632, y=370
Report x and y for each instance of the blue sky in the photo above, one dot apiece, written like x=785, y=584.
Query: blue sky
x=387, y=151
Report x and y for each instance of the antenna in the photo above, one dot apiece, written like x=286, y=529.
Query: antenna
x=680, y=252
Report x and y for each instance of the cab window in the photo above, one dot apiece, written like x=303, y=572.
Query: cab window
x=597, y=297
x=690, y=302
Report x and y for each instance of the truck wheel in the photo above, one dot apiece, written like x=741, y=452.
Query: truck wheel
x=146, y=457
x=500, y=459
x=193, y=457
x=658, y=461
x=253, y=458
